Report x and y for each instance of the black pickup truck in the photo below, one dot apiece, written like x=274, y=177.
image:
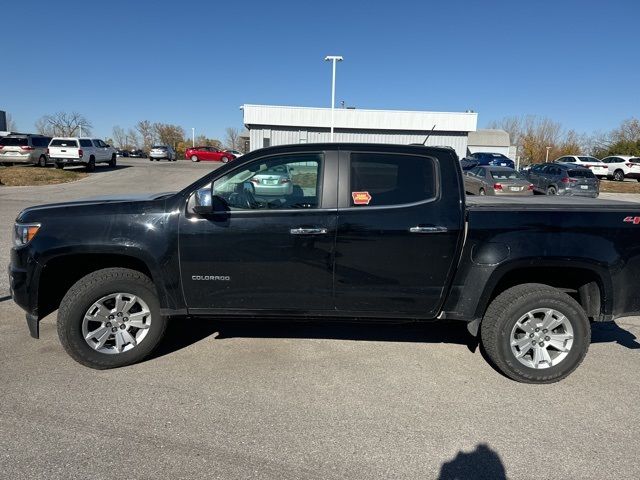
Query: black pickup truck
x=350, y=231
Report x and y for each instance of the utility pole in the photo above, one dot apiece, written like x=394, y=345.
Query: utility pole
x=334, y=59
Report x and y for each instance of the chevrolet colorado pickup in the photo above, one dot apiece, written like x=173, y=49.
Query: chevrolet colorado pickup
x=376, y=232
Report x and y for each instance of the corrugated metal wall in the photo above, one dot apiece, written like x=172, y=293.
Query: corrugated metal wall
x=288, y=136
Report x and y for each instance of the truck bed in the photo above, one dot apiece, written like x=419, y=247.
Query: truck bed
x=543, y=202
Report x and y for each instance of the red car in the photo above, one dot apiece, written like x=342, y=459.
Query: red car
x=208, y=153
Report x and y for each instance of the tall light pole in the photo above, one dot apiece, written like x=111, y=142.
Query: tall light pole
x=80, y=125
x=193, y=137
x=547, y=160
x=334, y=59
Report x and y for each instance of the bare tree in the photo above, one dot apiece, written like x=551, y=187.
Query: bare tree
x=132, y=139
x=232, y=139
x=147, y=134
x=63, y=124
x=11, y=124
x=119, y=136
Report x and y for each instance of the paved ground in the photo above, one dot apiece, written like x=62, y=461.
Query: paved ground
x=267, y=400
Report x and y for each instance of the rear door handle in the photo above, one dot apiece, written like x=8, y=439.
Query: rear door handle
x=308, y=231
x=428, y=229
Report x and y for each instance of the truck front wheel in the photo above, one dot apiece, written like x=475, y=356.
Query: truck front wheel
x=535, y=333
x=110, y=318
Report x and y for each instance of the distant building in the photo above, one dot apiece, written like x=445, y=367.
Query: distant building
x=493, y=141
x=277, y=125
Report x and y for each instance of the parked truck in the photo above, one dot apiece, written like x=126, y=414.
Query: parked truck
x=376, y=232
x=65, y=151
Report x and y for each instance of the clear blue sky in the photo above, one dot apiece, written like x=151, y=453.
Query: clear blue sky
x=194, y=63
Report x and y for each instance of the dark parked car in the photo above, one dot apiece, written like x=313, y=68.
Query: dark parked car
x=486, y=180
x=122, y=153
x=487, y=158
x=137, y=153
x=563, y=179
x=383, y=232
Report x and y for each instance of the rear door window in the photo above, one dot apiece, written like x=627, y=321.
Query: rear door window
x=380, y=179
x=85, y=143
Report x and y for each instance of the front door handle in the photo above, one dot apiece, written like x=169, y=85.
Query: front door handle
x=428, y=229
x=308, y=231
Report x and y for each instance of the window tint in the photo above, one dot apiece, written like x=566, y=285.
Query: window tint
x=482, y=173
x=589, y=159
x=581, y=173
x=14, y=141
x=505, y=175
x=60, y=142
x=390, y=179
x=85, y=143
x=286, y=182
x=40, y=142
x=634, y=160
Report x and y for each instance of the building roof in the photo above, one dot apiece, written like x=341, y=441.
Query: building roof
x=359, y=119
x=489, y=138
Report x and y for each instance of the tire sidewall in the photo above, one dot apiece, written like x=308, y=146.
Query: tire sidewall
x=581, y=337
x=71, y=326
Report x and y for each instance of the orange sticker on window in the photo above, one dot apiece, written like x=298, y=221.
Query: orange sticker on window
x=361, y=198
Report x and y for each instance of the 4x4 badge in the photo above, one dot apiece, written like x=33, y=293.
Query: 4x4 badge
x=634, y=220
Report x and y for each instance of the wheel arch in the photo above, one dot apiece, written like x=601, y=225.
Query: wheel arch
x=59, y=273
x=587, y=283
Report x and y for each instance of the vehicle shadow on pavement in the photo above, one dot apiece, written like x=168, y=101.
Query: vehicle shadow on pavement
x=609, y=332
x=183, y=332
x=483, y=462
x=98, y=169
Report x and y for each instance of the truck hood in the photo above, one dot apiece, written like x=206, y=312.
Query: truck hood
x=98, y=205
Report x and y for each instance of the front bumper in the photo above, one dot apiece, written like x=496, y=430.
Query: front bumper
x=24, y=273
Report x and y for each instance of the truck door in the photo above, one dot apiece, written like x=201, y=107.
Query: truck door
x=400, y=231
x=273, y=247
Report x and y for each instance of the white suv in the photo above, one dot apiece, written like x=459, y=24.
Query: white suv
x=81, y=151
x=623, y=166
x=598, y=168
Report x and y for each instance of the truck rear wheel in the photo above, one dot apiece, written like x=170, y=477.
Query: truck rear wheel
x=91, y=166
x=110, y=318
x=535, y=333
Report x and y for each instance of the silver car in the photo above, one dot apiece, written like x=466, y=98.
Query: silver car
x=274, y=181
x=24, y=148
x=162, y=152
x=488, y=180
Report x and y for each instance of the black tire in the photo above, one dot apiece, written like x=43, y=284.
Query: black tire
x=618, y=176
x=42, y=161
x=113, y=162
x=59, y=166
x=91, y=166
x=511, y=305
x=552, y=191
x=88, y=290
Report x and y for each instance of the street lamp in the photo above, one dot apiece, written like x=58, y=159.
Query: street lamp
x=334, y=59
x=193, y=137
x=547, y=160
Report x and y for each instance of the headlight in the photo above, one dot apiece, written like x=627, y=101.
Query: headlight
x=23, y=233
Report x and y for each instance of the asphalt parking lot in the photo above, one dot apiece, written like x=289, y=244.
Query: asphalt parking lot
x=223, y=399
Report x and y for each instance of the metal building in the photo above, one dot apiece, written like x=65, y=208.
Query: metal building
x=270, y=125
x=489, y=140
